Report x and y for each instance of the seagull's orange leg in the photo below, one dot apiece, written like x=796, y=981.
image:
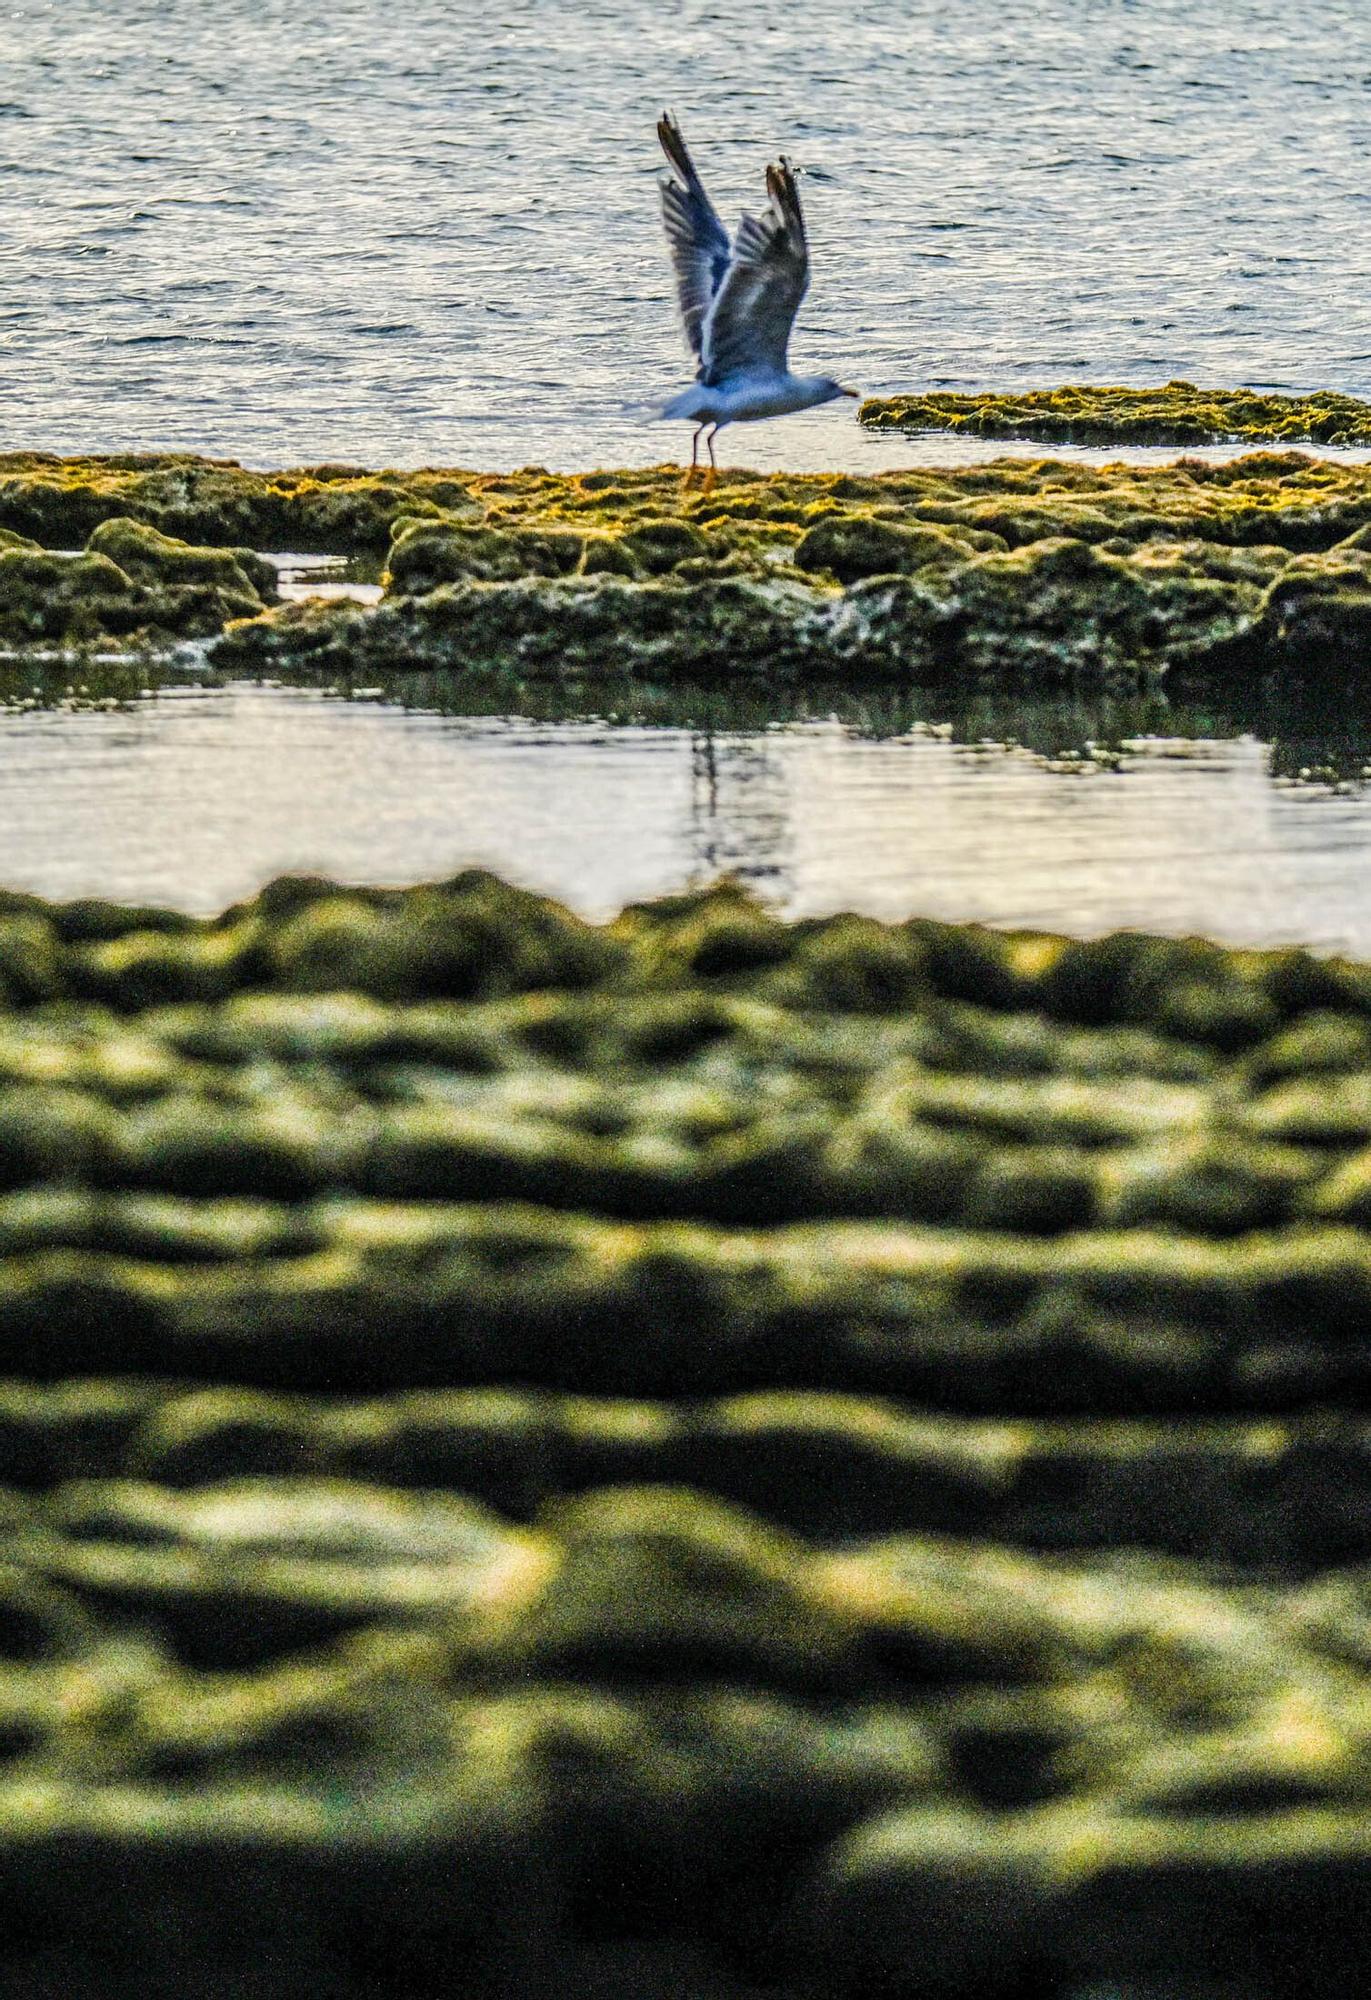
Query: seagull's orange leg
x=713, y=473
x=689, y=479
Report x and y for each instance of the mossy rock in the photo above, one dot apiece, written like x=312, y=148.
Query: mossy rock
x=349, y=515
x=967, y=962
x=1055, y=612
x=40, y=1622
x=1330, y=1111
x=325, y=635
x=880, y=1163
x=608, y=555
x=1061, y=609
x=1082, y=413
x=1032, y=1191
x=1256, y=565
x=425, y=554
x=975, y=1900
x=160, y=561
x=1345, y=1195
x=1297, y=981
x=1211, y=1184
x=926, y=576
x=94, y=920
x=852, y=964
x=475, y=936
x=1089, y=1895
x=1183, y=987
x=149, y=968
x=1321, y=1042
x=562, y=630
x=54, y=1135
x=504, y=1446
x=70, y=599
x=663, y=1580
x=663, y=544
x=853, y=546
x=193, y=1147
x=88, y=599
x=1317, y=612
x=239, y=1573
x=1227, y=1013
x=31, y=965
x=225, y=1434
x=715, y=937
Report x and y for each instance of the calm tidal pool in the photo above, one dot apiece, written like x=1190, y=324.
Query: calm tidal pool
x=195, y=795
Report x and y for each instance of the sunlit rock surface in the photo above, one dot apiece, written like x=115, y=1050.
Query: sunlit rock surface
x=1031, y=575
x=824, y=1458
x=1178, y=414
x=1037, y=576
x=131, y=586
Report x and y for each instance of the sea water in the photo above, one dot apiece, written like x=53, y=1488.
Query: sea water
x=284, y=231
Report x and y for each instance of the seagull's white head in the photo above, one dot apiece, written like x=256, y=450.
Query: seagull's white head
x=823, y=389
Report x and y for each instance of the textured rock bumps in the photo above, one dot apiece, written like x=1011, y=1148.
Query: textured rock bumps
x=130, y=585
x=1179, y=414
x=840, y=1449
x=1034, y=575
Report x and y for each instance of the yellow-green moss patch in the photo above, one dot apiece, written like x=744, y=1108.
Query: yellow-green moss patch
x=1082, y=413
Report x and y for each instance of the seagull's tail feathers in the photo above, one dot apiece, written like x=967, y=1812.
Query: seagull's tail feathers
x=687, y=404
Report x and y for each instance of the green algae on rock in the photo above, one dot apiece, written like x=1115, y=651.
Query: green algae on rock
x=853, y=546
x=152, y=558
x=820, y=1432
x=1031, y=577
x=796, y=1752
x=130, y=586
x=823, y=1463
x=1306, y=503
x=59, y=502
x=1082, y=413
x=987, y=1168
x=1028, y=574
x=1054, y=613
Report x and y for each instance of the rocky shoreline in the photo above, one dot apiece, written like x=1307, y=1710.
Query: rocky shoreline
x=819, y=1458
x=1033, y=576
x=1086, y=414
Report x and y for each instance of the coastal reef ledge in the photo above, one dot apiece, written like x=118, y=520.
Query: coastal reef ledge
x=739, y=1454
x=1087, y=414
x=1026, y=574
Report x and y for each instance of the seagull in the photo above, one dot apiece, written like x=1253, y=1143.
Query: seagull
x=738, y=302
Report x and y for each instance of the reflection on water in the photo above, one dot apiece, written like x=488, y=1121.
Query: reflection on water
x=1098, y=816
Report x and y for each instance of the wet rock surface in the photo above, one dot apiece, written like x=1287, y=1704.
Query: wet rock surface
x=1178, y=414
x=130, y=586
x=821, y=1458
x=1034, y=576
x=1029, y=575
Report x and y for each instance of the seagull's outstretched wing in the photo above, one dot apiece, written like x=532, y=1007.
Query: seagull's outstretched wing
x=748, y=325
x=698, y=240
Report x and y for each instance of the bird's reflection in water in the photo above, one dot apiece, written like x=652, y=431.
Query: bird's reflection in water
x=740, y=812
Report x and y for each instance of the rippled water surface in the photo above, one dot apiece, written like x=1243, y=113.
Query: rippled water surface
x=199, y=796
x=295, y=231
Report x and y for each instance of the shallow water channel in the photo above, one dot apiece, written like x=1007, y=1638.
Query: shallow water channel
x=1166, y=818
